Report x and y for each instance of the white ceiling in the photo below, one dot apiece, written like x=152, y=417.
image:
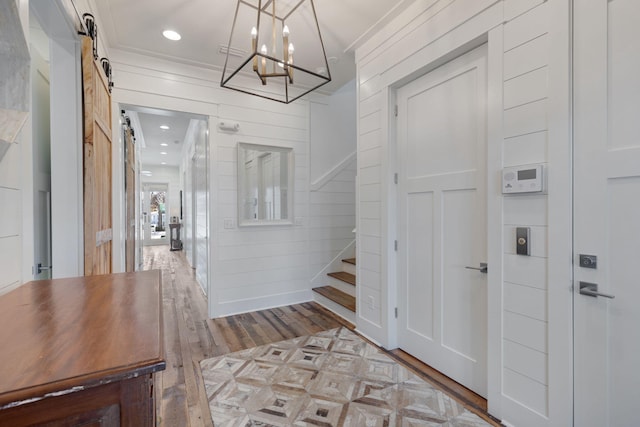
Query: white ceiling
x=205, y=25
x=153, y=140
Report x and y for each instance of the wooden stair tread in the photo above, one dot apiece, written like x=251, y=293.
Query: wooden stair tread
x=337, y=296
x=344, y=276
x=350, y=261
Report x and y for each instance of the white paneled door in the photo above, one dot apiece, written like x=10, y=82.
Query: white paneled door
x=606, y=212
x=442, y=317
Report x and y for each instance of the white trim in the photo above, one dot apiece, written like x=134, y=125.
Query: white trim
x=560, y=215
x=495, y=228
x=395, y=11
x=334, y=265
x=231, y=308
x=389, y=219
x=118, y=198
x=67, y=211
x=335, y=308
x=327, y=177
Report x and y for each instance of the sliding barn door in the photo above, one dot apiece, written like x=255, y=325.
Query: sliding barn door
x=97, y=165
x=130, y=194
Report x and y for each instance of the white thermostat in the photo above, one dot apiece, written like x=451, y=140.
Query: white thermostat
x=523, y=179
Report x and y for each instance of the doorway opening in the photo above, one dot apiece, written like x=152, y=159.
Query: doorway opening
x=41, y=131
x=155, y=205
x=172, y=158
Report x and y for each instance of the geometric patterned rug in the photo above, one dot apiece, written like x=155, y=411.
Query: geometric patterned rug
x=330, y=379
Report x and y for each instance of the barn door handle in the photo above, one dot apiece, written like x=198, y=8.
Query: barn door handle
x=591, y=290
x=482, y=269
x=40, y=268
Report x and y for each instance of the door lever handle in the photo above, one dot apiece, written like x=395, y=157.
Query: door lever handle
x=591, y=290
x=482, y=269
x=40, y=268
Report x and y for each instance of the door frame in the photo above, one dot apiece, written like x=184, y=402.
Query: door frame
x=67, y=213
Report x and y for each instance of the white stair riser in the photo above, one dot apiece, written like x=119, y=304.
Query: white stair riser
x=349, y=268
x=344, y=287
x=334, y=307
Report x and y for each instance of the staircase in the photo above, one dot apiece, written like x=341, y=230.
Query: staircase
x=339, y=295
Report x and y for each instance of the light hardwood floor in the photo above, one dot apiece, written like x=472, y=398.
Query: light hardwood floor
x=190, y=336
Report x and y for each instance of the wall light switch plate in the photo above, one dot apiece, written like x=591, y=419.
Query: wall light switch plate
x=228, y=224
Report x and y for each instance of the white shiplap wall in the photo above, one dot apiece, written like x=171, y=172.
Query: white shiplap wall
x=261, y=266
x=525, y=337
x=250, y=267
x=10, y=218
x=332, y=218
x=425, y=35
x=13, y=207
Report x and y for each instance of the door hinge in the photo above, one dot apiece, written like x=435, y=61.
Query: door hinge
x=395, y=178
x=396, y=312
x=395, y=110
x=395, y=245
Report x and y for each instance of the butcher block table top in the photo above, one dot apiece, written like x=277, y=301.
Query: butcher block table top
x=65, y=335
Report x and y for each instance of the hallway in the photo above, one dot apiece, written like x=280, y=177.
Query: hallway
x=191, y=337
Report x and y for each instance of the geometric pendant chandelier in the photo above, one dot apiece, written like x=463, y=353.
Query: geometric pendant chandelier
x=286, y=57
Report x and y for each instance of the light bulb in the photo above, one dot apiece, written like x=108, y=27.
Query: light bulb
x=285, y=31
x=263, y=49
x=291, y=49
x=254, y=33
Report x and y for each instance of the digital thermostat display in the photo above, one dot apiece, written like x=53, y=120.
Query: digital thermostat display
x=523, y=179
x=527, y=174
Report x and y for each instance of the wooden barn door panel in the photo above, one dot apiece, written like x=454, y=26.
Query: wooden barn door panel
x=97, y=165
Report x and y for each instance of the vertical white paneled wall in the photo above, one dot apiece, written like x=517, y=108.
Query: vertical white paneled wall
x=427, y=34
x=10, y=217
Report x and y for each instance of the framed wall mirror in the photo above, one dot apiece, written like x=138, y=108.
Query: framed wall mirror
x=265, y=185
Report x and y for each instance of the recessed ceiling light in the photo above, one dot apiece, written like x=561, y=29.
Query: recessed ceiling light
x=146, y=173
x=171, y=35
x=165, y=127
x=164, y=144
x=163, y=152
x=163, y=163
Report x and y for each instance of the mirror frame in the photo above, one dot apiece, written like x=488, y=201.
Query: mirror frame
x=242, y=183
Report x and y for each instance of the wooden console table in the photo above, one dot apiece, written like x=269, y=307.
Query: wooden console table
x=81, y=351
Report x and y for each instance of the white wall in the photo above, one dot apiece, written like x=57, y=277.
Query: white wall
x=14, y=200
x=332, y=207
x=332, y=218
x=332, y=130
x=522, y=328
x=10, y=215
x=250, y=267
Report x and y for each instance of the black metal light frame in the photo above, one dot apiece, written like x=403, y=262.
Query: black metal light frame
x=287, y=79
